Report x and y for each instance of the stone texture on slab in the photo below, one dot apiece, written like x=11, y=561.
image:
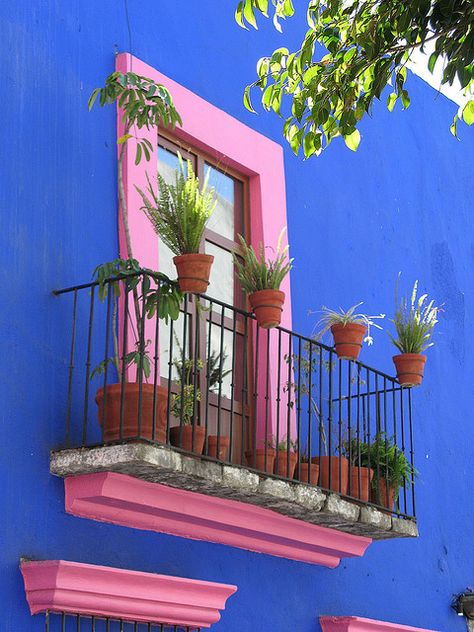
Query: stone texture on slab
x=162, y=464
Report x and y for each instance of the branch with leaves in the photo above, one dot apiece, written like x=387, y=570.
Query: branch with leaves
x=350, y=53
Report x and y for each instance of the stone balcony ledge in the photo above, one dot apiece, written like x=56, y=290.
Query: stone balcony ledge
x=162, y=464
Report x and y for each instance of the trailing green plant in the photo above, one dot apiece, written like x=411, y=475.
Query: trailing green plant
x=155, y=291
x=414, y=321
x=286, y=445
x=179, y=212
x=332, y=317
x=256, y=272
x=356, y=450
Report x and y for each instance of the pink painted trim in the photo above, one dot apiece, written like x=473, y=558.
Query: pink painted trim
x=71, y=587
x=359, y=624
x=124, y=500
x=232, y=144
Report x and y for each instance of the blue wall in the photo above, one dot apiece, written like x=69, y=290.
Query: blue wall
x=402, y=202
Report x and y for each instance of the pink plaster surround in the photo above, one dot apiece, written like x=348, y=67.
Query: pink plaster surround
x=124, y=500
x=232, y=144
x=359, y=624
x=71, y=587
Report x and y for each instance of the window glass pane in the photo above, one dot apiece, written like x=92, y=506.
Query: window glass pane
x=222, y=220
x=221, y=285
x=176, y=344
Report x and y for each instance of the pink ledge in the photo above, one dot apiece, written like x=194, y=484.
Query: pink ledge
x=132, y=502
x=358, y=624
x=76, y=588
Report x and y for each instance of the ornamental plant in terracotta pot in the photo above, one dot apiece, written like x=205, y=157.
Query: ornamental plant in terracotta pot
x=349, y=330
x=262, y=458
x=308, y=471
x=414, y=322
x=179, y=213
x=261, y=279
x=133, y=409
x=188, y=434
x=361, y=471
x=286, y=458
x=217, y=445
x=333, y=472
x=391, y=470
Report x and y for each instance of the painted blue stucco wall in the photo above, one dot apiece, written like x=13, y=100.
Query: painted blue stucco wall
x=403, y=202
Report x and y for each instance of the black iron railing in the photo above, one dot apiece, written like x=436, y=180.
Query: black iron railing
x=67, y=622
x=213, y=384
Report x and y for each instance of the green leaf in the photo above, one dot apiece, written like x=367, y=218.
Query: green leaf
x=453, y=127
x=138, y=155
x=239, y=16
x=352, y=140
x=247, y=102
x=123, y=139
x=92, y=98
x=249, y=14
x=391, y=100
x=432, y=61
x=405, y=99
x=468, y=112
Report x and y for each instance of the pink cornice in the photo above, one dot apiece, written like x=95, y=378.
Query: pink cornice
x=132, y=502
x=359, y=624
x=71, y=587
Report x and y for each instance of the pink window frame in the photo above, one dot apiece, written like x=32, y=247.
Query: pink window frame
x=230, y=143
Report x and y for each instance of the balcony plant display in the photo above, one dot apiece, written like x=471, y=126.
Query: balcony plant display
x=308, y=471
x=261, y=279
x=217, y=445
x=414, y=322
x=179, y=213
x=188, y=434
x=361, y=472
x=391, y=470
x=349, y=329
x=333, y=472
x=286, y=457
x=134, y=408
x=262, y=458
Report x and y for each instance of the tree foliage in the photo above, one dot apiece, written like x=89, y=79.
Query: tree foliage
x=350, y=52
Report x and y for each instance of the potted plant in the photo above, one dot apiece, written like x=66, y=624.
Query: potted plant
x=308, y=471
x=262, y=458
x=261, y=279
x=414, y=323
x=188, y=434
x=286, y=458
x=333, y=472
x=136, y=408
x=391, y=470
x=361, y=474
x=349, y=330
x=217, y=445
x=179, y=213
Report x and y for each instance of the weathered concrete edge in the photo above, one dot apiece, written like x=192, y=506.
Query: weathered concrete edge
x=161, y=464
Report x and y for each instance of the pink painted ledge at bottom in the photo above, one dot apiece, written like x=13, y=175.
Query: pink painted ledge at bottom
x=359, y=624
x=71, y=587
x=132, y=502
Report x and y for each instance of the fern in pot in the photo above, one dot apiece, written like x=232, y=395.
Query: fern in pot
x=261, y=279
x=179, y=214
x=415, y=320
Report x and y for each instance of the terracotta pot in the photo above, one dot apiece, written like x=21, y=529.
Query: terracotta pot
x=348, y=339
x=309, y=473
x=193, y=272
x=224, y=442
x=339, y=465
x=260, y=459
x=365, y=475
x=380, y=496
x=282, y=463
x=131, y=396
x=182, y=437
x=267, y=305
x=410, y=367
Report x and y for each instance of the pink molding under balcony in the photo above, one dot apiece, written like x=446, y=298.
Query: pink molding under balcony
x=76, y=588
x=359, y=624
x=132, y=502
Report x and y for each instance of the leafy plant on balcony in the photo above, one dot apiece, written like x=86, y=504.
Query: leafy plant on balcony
x=256, y=272
x=332, y=317
x=179, y=212
x=415, y=320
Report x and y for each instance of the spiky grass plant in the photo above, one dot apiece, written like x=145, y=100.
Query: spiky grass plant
x=332, y=317
x=414, y=322
x=179, y=212
x=256, y=272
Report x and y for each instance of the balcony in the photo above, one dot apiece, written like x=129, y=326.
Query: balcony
x=230, y=413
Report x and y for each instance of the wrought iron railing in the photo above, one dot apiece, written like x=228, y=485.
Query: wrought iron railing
x=213, y=384
x=67, y=622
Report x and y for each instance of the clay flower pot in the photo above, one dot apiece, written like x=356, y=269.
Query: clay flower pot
x=381, y=496
x=410, y=367
x=309, y=473
x=224, y=442
x=338, y=466
x=260, y=459
x=348, y=339
x=131, y=399
x=182, y=437
x=365, y=475
x=193, y=272
x=281, y=464
x=267, y=305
